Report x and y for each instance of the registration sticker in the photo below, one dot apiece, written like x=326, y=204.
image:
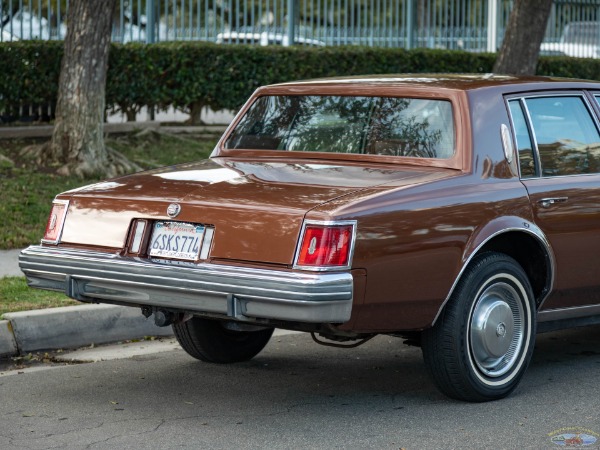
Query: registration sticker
x=176, y=240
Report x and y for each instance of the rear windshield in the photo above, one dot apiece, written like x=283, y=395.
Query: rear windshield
x=392, y=126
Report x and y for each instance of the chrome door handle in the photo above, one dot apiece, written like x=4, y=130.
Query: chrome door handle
x=547, y=202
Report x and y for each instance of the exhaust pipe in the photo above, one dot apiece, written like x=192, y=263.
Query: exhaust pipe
x=163, y=318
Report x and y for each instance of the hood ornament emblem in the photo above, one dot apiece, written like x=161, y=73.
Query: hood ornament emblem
x=173, y=210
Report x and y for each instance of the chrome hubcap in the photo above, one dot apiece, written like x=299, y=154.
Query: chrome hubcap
x=496, y=329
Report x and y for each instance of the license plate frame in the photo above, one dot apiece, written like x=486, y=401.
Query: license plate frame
x=176, y=240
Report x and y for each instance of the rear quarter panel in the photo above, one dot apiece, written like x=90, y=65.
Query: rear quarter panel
x=414, y=242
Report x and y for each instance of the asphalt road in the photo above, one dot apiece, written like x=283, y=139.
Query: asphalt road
x=296, y=394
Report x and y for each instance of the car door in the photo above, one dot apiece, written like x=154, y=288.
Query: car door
x=558, y=143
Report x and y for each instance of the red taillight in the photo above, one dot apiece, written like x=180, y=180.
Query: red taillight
x=56, y=221
x=326, y=246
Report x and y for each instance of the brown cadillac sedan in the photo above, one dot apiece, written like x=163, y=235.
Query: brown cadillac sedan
x=461, y=213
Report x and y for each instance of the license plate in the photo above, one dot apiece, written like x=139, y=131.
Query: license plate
x=176, y=240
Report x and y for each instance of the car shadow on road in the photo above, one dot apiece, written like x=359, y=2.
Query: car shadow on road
x=577, y=349
x=293, y=372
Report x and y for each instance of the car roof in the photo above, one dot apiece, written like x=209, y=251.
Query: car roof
x=448, y=81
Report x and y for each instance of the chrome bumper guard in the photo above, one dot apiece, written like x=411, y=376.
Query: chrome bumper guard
x=237, y=292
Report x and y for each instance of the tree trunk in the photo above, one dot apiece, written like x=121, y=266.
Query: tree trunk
x=195, y=109
x=77, y=141
x=131, y=114
x=524, y=34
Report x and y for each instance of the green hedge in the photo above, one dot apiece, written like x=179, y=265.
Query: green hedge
x=29, y=72
x=191, y=75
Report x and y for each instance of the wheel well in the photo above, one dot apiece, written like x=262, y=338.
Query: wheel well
x=530, y=253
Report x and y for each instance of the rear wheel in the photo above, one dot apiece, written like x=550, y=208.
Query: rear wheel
x=483, y=340
x=210, y=341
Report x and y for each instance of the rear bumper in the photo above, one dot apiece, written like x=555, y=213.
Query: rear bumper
x=239, y=293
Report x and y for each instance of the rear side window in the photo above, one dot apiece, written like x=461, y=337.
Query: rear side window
x=523, y=138
x=421, y=128
x=567, y=138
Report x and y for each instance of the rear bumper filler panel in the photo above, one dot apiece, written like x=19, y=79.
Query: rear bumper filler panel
x=237, y=292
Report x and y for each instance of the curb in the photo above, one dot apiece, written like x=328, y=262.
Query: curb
x=8, y=345
x=73, y=326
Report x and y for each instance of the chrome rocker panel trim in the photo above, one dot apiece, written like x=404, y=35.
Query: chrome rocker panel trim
x=236, y=292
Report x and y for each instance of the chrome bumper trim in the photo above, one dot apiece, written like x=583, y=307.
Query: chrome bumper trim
x=237, y=292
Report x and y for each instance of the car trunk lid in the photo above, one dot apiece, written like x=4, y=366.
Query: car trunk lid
x=256, y=208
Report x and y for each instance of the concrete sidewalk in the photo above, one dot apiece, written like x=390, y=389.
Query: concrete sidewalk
x=69, y=326
x=9, y=263
x=45, y=131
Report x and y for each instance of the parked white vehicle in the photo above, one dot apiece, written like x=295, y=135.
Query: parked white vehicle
x=129, y=33
x=25, y=25
x=264, y=38
x=5, y=36
x=579, y=39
